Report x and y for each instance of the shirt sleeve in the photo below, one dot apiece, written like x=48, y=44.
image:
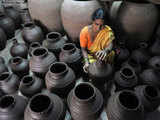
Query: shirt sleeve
x=83, y=37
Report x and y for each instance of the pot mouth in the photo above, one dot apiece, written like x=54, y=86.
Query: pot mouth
x=2, y=14
x=40, y=103
x=143, y=45
x=128, y=100
x=4, y=76
x=58, y=68
x=16, y=60
x=127, y=73
x=27, y=80
x=6, y=102
x=151, y=92
x=69, y=47
x=35, y=45
x=40, y=51
x=29, y=25
x=53, y=36
x=84, y=91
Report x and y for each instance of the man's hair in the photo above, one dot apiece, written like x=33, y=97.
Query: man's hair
x=98, y=14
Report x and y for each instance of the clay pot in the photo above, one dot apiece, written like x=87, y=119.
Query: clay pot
x=14, y=14
x=151, y=76
x=149, y=97
x=31, y=85
x=154, y=49
x=19, y=66
x=100, y=73
x=85, y=102
x=32, y=33
x=60, y=79
x=32, y=46
x=54, y=42
x=132, y=15
x=9, y=83
x=18, y=49
x=154, y=62
x=43, y=106
x=71, y=55
x=124, y=105
x=41, y=60
x=134, y=64
x=49, y=16
x=74, y=26
x=8, y=25
x=125, y=78
x=12, y=107
x=141, y=55
x=3, y=39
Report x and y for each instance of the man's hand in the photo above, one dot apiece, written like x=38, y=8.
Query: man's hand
x=85, y=67
x=101, y=55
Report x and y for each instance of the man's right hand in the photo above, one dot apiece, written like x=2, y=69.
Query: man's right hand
x=85, y=67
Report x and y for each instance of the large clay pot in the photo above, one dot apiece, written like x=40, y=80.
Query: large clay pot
x=19, y=49
x=32, y=46
x=81, y=18
x=3, y=39
x=48, y=15
x=100, y=73
x=32, y=33
x=12, y=107
x=41, y=60
x=125, y=78
x=31, y=85
x=85, y=102
x=154, y=49
x=54, y=42
x=151, y=76
x=149, y=96
x=9, y=83
x=8, y=25
x=124, y=105
x=60, y=79
x=14, y=14
x=45, y=107
x=19, y=66
x=71, y=55
x=154, y=62
x=132, y=15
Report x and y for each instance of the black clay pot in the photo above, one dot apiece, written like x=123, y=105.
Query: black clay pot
x=2, y=61
x=3, y=39
x=154, y=49
x=71, y=55
x=31, y=85
x=41, y=60
x=134, y=64
x=149, y=97
x=154, y=62
x=141, y=55
x=3, y=68
x=60, y=79
x=100, y=72
x=151, y=77
x=33, y=46
x=19, y=66
x=12, y=107
x=8, y=25
x=14, y=14
x=45, y=107
x=85, y=102
x=124, y=105
x=19, y=49
x=32, y=33
x=125, y=78
x=9, y=83
x=54, y=42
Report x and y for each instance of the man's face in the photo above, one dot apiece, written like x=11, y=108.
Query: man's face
x=97, y=24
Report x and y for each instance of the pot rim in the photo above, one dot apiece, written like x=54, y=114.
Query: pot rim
x=53, y=39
